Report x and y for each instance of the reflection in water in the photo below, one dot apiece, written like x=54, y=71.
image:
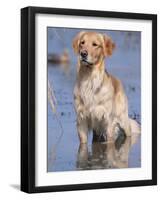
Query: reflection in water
x=106, y=155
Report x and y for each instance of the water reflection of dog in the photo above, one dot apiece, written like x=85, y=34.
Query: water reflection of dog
x=106, y=155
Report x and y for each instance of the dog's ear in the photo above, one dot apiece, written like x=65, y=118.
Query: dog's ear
x=108, y=45
x=76, y=41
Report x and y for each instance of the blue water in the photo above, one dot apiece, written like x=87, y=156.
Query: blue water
x=64, y=152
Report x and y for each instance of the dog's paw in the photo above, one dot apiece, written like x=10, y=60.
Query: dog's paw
x=80, y=116
x=99, y=113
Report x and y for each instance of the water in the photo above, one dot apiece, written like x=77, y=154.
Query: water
x=64, y=151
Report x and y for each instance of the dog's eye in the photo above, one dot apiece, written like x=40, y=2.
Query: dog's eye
x=82, y=42
x=94, y=44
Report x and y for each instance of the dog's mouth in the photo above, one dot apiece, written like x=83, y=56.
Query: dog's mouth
x=86, y=62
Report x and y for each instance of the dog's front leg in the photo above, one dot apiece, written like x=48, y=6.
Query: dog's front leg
x=112, y=123
x=82, y=128
x=82, y=125
x=110, y=135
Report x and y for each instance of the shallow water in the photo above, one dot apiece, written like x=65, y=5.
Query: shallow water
x=64, y=151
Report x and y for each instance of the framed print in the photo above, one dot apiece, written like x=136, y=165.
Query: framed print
x=88, y=99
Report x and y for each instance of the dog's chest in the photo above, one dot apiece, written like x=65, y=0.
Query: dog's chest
x=95, y=99
x=88, y=93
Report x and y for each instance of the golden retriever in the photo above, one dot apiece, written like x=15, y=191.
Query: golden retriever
x=100, y=101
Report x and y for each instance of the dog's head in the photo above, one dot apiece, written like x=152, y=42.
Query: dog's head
x=92, y=47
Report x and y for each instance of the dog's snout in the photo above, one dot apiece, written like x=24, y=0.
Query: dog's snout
x=84, y=54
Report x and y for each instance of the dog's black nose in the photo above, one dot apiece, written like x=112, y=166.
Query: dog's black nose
x=84, y=54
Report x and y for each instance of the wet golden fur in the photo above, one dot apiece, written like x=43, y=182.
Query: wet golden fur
x=100, y=100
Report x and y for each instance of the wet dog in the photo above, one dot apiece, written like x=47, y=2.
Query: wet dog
x=100, y=101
